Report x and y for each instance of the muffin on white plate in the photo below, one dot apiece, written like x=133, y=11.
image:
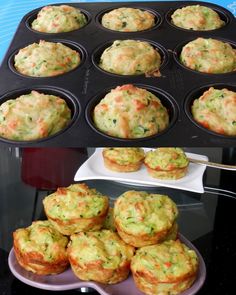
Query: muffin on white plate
x=123, y=159
x=166, y=163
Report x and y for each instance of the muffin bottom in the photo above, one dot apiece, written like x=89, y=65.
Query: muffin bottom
x=111, y=165
x=173, y=288
x=167, y=174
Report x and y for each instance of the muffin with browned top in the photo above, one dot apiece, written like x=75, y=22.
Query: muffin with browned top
x=143, y=218
x=46, y=59
x=166, y=163
x=167, y=268
x=33, y=116
x=123, y=159
x=130, y=112
x=215, y=110
x=40, y=248
x=100, y=256
x=76, y=208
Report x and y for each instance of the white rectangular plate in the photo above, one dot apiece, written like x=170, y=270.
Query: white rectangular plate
x=94, y=168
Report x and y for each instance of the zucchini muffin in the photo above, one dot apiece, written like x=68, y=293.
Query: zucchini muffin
x=197, y=18
x=167, y=268
x=209, y=56
x=33, y=116
x=130, y=112
x=46, y=59
x=76, y=208
x=100, y=256
x=41, y=249
x=123, y=159
x=215, y=110
x=127, y=19
x=58, y=19
x=143, y=219
x=130, y=57
x=166, y=163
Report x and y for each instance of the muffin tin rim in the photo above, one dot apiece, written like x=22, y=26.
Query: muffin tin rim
x=191, y=96
x=45, y=89
x=154, y=90
x=69, y=43
x=88, y=72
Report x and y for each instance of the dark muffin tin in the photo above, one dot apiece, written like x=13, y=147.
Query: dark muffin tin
x=84, y=86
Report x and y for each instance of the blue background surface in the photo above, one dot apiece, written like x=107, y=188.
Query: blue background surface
x=12, y=11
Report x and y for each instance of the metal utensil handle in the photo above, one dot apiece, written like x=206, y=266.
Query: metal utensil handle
x=214, y=165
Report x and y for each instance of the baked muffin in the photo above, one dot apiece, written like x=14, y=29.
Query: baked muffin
x=100, y=256
x=46, y=59
x=130, y=57
x=109, y=220
x=130, y=112
x=33, y=116
x=76, y=208
x=166, y=163
x=209, y=56
x=123, y=159
x=41, y=249
x=58, y=19
x=215, y=110
x=197, y=18
x=127, y=19
x=167, y=268
x=144, y=219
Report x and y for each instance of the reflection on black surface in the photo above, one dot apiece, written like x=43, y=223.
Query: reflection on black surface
x=219, y=251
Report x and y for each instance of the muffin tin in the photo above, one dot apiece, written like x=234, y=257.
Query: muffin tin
x=84, y=86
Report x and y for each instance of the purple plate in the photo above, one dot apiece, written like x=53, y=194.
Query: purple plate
x=67, y=280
